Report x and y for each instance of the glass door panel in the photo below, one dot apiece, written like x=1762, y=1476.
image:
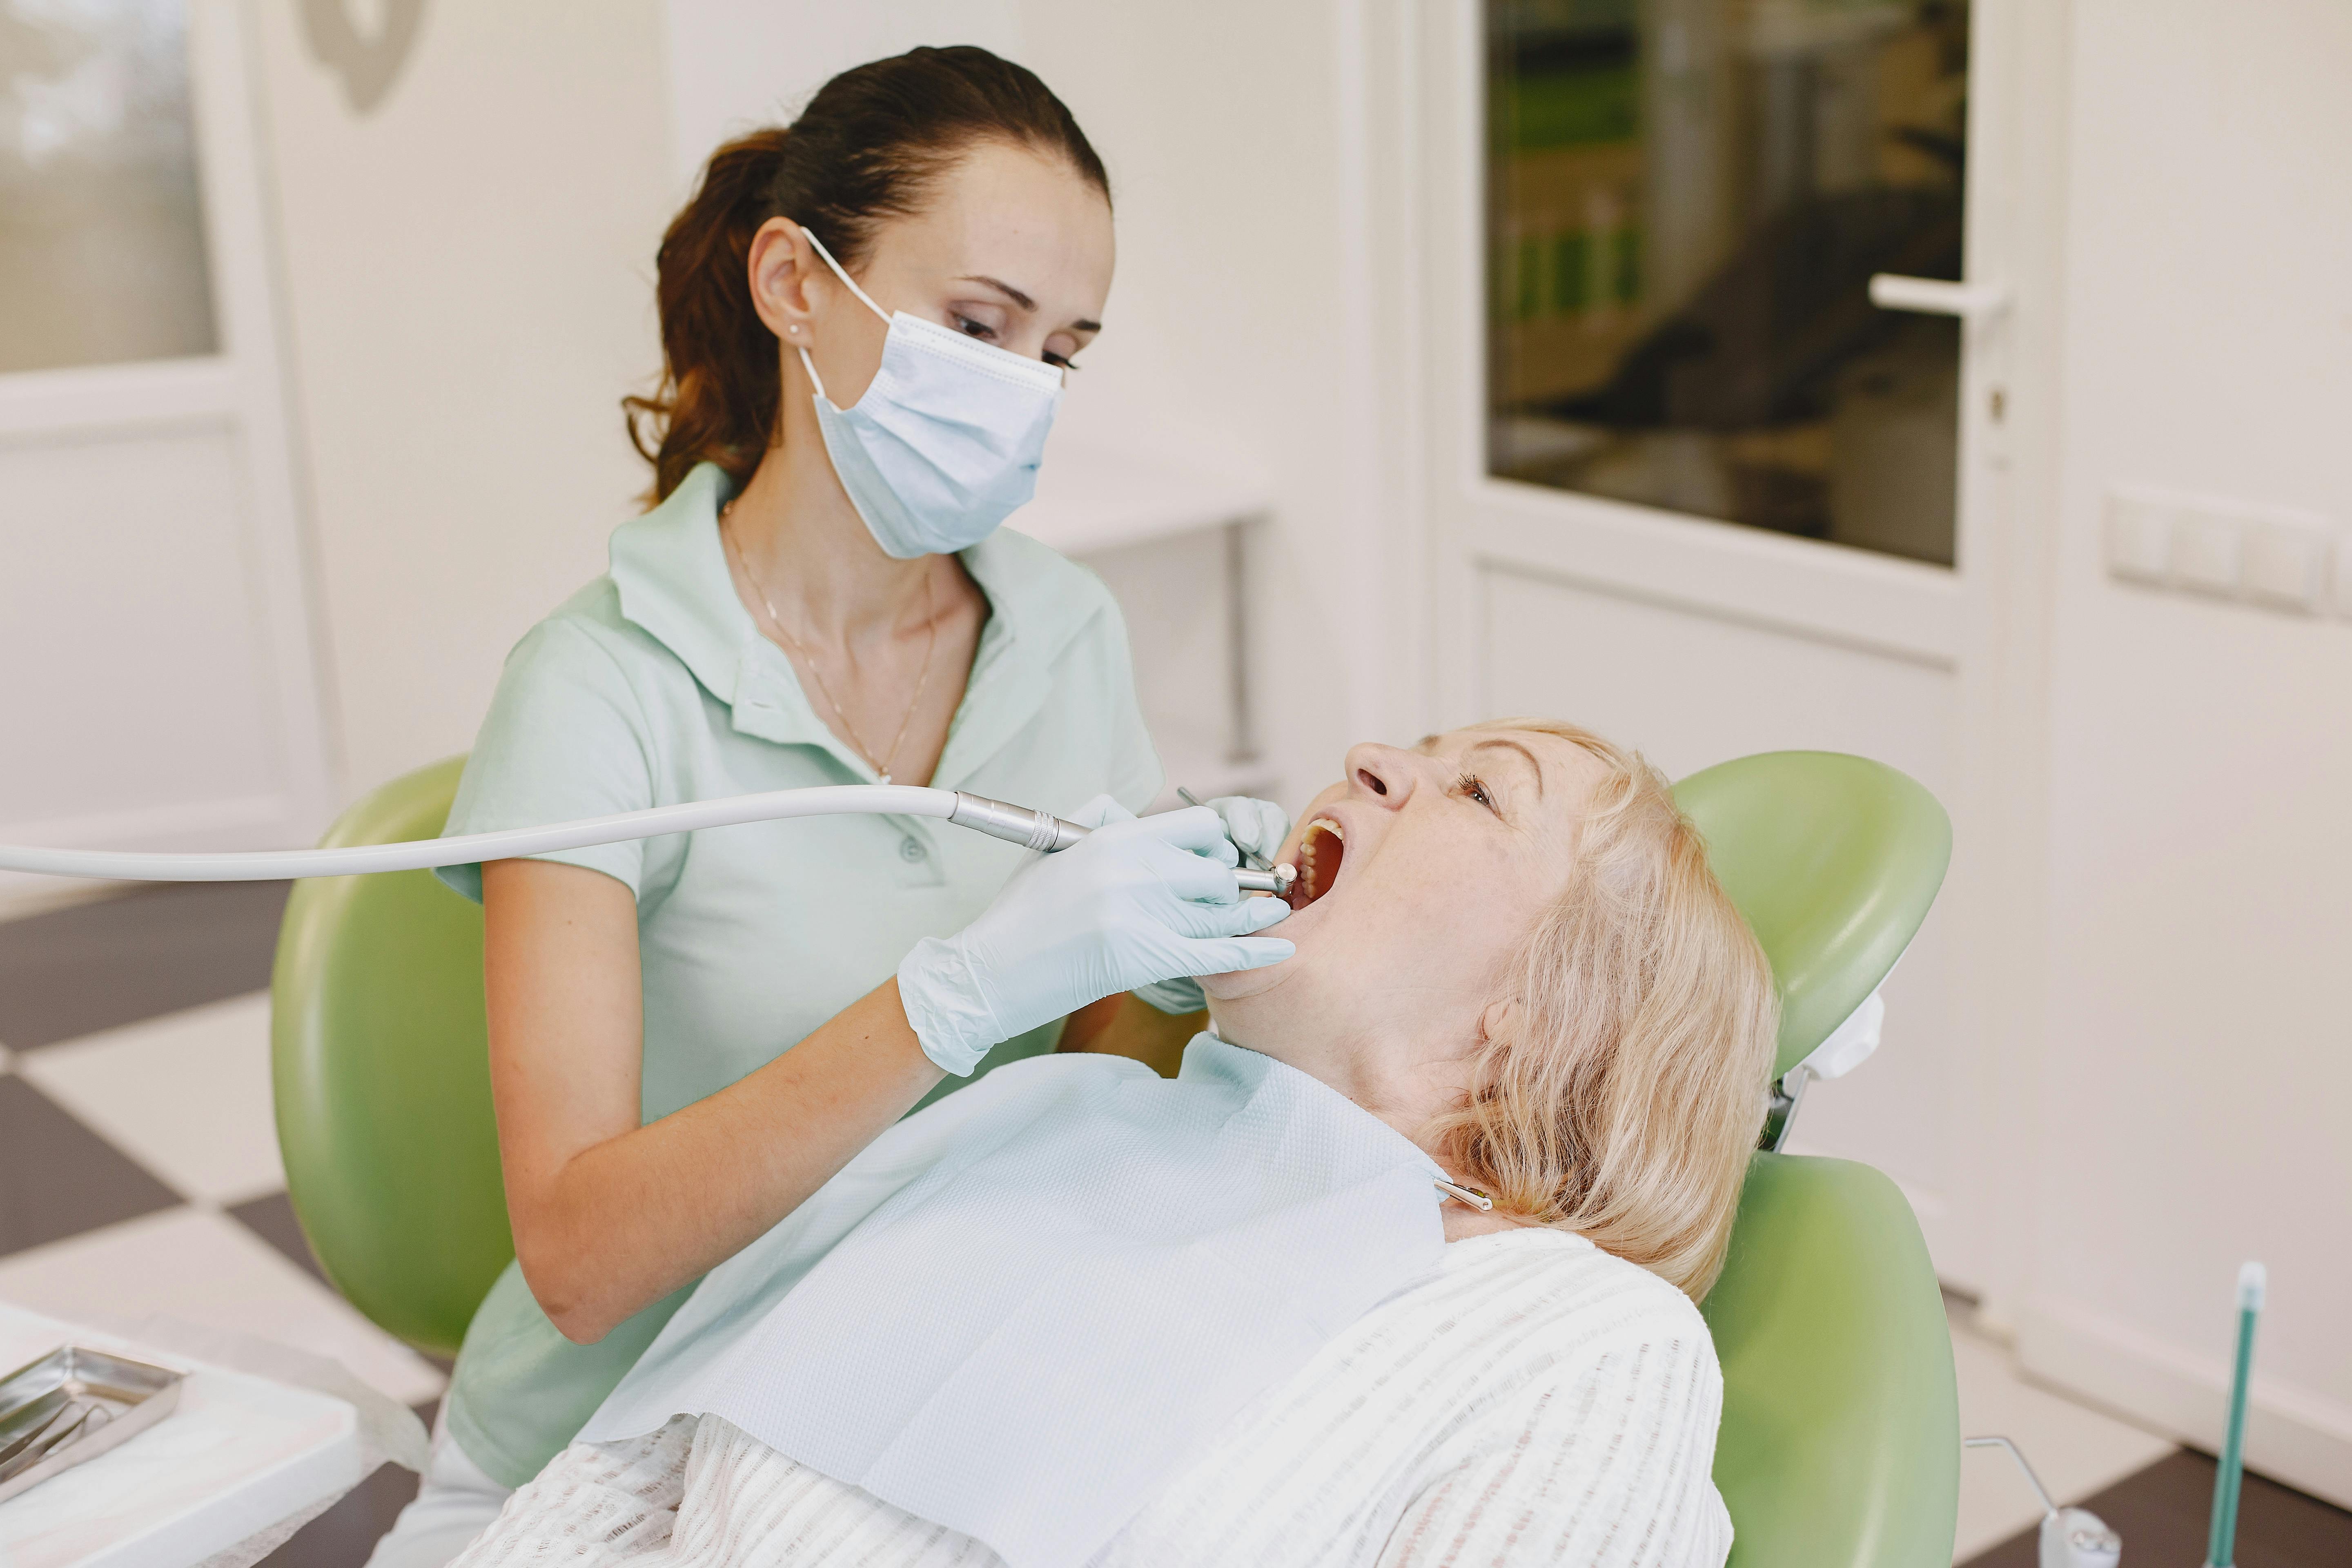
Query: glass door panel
x=102, y=254
x=1686, y=202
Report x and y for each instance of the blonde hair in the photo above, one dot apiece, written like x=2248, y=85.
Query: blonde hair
x=1624, y=1091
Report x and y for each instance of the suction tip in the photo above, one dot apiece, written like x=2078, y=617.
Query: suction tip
x=2253, y=1285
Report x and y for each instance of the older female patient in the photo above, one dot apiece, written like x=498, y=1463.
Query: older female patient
x=1278, y=1327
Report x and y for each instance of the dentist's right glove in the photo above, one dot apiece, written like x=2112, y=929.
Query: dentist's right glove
x=1138, y=900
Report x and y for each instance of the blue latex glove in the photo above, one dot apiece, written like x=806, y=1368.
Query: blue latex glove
x=1138, y=900
x=1256, y=826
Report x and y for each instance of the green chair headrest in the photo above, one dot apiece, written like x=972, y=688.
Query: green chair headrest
x=1833, y=861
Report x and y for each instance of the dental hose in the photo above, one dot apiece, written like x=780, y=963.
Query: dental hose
x=1032, y=829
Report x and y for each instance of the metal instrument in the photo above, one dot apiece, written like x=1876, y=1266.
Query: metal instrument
x=70, y=1406
x=1042, y=830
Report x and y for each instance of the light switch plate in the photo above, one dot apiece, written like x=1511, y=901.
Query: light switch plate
x=2278, y=558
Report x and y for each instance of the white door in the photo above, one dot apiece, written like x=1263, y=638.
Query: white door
x=1690, y=486
x=159, y=689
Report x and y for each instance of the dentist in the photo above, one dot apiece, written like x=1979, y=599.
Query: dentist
x=867, y=323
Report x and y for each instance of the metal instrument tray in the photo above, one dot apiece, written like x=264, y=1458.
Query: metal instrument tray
x=72, y=1405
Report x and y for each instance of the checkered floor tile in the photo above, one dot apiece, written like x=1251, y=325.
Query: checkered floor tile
x=139, y=1170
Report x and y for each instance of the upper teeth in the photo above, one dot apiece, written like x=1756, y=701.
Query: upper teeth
x=1329, y=826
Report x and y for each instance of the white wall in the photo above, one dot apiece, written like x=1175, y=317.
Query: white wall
x=2199, y=1061
x=466, y=281
x=1239, y=331
x=735, y=64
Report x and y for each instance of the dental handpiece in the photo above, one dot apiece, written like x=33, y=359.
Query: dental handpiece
x=1043, y=830
x=1020, y=823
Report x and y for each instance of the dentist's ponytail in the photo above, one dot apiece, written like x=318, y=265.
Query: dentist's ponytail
x=864, y=151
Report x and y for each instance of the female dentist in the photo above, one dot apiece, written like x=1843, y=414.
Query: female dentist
x=866, y=319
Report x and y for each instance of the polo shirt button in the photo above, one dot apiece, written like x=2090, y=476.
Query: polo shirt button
x=911, y=849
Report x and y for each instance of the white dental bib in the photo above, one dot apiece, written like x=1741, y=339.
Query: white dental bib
x=1018, y=1313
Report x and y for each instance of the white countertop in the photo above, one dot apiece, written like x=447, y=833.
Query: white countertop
x=240, y=1455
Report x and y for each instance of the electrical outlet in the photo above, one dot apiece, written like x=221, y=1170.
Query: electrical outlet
x=2207, y=550
x=2286, y=564
x=2139, y=539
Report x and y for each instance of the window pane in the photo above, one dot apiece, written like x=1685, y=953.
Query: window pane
x=101, y=224
x=1687, y=199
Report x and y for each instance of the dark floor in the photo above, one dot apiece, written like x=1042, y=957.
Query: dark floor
x=344, y=1535
x=2163, y=1511
x=75, y=971
x=59, y=1178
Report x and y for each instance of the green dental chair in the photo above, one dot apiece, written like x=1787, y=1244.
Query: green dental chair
x=1840, y=1446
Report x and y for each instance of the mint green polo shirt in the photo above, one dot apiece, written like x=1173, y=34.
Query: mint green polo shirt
x=650, y=687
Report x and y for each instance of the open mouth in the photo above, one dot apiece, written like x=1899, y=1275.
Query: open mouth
x=1321, y=850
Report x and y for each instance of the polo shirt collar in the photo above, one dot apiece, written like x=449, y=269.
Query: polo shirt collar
x=670, y=570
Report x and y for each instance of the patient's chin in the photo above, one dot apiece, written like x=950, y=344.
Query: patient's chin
x=1234, y=986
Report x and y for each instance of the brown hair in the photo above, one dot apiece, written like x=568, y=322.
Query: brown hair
x=1627, y=1091
x=866, y=148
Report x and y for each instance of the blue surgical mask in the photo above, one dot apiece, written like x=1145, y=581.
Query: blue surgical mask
x=946, y=442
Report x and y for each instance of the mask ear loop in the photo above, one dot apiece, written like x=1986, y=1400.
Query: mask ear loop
x=848, y=283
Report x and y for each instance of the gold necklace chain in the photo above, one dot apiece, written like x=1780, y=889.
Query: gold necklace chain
x=931, y=647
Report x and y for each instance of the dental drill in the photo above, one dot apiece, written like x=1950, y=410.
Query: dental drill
x=1020, y=825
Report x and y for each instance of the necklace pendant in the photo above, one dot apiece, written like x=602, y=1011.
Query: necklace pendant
x=885, y=778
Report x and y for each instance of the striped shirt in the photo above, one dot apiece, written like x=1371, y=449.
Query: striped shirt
x=1534, y=1400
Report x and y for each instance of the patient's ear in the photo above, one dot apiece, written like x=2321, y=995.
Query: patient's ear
x=1497, y=1019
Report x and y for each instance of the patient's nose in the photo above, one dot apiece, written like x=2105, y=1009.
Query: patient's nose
x=1381, y=774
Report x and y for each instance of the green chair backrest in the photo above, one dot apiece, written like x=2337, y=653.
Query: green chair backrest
x=1841, y=1443
x=1834, y=860
x=380, y=1060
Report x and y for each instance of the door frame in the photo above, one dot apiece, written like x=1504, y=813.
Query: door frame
x=241, y=390
x=1986, y=620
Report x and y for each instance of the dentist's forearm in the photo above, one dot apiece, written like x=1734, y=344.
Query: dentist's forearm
x=610, y=1216
x=624, y=1222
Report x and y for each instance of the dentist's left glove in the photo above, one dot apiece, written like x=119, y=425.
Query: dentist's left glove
x=1256, y=826
x=1136, y=902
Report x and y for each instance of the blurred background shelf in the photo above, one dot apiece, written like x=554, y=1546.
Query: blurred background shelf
x=1171, y=538
x=1093, y=498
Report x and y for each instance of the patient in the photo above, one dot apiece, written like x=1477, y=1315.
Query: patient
x=1514, y=972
